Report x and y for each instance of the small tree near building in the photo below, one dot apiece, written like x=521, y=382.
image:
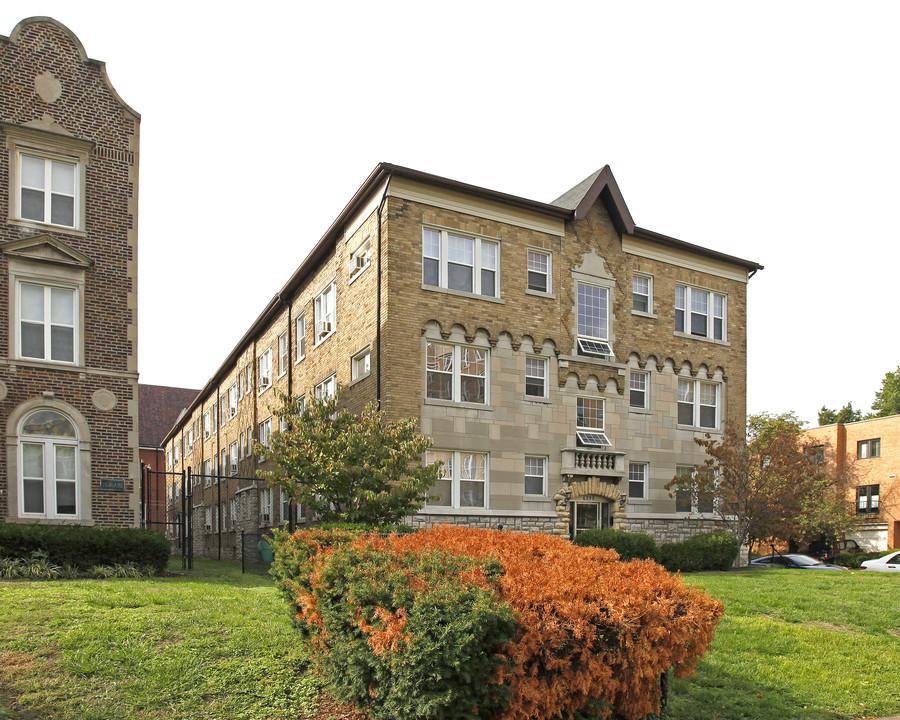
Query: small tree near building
x=765, y=485
x=347, y=467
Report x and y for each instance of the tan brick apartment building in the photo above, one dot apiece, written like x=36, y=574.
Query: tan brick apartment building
x=562, y=359
x=869, y=452
x=68, y=286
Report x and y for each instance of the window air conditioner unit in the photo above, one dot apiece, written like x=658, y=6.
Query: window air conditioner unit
x=234, y=468
x=324, y=328
x=264, y=519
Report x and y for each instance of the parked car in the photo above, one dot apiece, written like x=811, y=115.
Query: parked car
x=794, y=561
x=886, y=563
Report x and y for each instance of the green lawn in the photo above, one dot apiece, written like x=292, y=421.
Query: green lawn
x=216, y=644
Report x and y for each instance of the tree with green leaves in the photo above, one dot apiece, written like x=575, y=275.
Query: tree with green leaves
x=347, y=467
x=845, y=415
x=887, y=400
x=765, y=485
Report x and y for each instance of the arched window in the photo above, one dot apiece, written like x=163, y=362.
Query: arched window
x=48, y=466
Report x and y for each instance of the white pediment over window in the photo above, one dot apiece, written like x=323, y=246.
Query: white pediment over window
x=48, y=249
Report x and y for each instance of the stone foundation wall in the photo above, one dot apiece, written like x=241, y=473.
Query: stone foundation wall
x=528, y=524
x=665, y=530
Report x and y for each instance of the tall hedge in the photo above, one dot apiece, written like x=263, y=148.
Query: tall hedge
x=590, y=632
x=85, y=547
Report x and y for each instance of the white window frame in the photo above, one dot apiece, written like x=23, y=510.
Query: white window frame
x=327, y=388
x=590, y=435
x=232, y=400
x=47, y=321
x=595, y=344
x=456, y=374
x=48, y=445
x=689, y=302
x=436, y=248
x=689, y=393
x=325, y=307
x=283, y=359
x=543, y=474
x=301, y=338
x=206, y=470
x=265, y=431
x=361, y=364
x=265, y=506
x=532, y=267
x=638, y=474
x=638, y=382
x=248, y=380
x=360, y=258
x=233, y=458
x=265, y=371
x=532, y=363
x=637, y=293
x=453, y=472
x=207, y=428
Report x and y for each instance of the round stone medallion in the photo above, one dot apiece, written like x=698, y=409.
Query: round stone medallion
x=104, y=399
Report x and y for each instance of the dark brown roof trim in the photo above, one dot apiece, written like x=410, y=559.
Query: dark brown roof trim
x=682, y=245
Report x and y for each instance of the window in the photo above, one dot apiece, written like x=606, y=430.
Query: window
x=637, y=480
x=301, y=338
x=265, y=430
x=208, y=525
x=324, y=307
x=232, y=400
x=685, y=500
x=176, y=451
x=233, y=458
x=232, y=515
x=638, y=395
x=536, y=376
x=589, y=422
x=699, y=312
x=207, y=431
x=47, y=322
x=535, y=475
x=49, y=190
x=463, y=481
x=282, y=354
x=538, y=271
x=456, y=372
x=326, y=389
x=265, y=370
x=815, y=453
x=265, y=506
x=360, y=259
x=592, y=310
x=867, y=499
x=248, y=384
x=249, y=436
x=190, y=440
x=642, y=293
x=866, y=449
x=698, y=403
x=49, y=463
x=242, y=446
x=215, y=413
x=359, y=364
x=458, y=262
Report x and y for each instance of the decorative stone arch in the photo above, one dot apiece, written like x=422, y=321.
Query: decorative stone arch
x=83, y=432
x=588, y=489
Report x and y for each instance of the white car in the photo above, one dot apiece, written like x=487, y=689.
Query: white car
x=886, y=563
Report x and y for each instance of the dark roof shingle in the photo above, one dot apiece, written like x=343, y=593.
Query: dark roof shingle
x=159, y=407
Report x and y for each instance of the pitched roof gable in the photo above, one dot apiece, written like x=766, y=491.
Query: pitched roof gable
x=601, y=184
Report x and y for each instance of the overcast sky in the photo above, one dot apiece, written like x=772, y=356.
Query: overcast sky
x=766, y=130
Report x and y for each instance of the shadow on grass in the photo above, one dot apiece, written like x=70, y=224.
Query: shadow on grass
x=710, y=696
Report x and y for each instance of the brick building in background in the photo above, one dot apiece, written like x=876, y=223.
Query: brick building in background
x=868, y=452
x=562, y=359
x=68, y=286
x=161, y=408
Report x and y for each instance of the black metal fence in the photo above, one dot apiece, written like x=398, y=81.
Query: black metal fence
x=216, y=517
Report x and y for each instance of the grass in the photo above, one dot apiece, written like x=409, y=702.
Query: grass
x=217, y=644
x=797, y=644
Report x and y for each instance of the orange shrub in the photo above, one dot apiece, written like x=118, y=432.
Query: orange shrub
x=592, y=632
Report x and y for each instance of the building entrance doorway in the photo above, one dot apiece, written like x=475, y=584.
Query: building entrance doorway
x=589, y=515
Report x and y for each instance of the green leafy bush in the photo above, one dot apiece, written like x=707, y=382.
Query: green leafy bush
x=414, y=635
x=706, y=551
x=85, y=547
x=630, y=546
x=854, y=560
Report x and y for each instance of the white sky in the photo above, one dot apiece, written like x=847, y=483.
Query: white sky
x=766, y=130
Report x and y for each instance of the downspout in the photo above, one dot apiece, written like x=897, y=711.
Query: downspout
x=378, y=299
